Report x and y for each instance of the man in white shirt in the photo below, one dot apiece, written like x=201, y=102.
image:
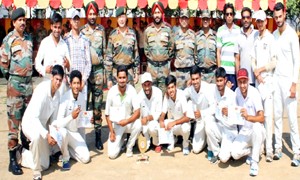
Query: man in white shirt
x=122, y=113
x=221, y=132
x=175, y=104
x=150, y=98
x=72, y=104
x=251, y=135
x=286, y=78
x=203, y=106
x=264, y=59
x=53, y=50
x=41, y=111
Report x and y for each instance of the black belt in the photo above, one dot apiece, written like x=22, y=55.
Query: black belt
x=21, y=79
x=129, y=66
x=208, y=70
x=184, y=70
x=157, y=63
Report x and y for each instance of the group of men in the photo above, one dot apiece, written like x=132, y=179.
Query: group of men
x=232, y=124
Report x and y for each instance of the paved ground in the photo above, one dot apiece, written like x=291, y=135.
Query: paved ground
x=161, y=166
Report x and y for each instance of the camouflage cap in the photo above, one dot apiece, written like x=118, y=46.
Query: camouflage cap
x=120, y=10
x=205, y=14
x=19, y=12
x=184, y=13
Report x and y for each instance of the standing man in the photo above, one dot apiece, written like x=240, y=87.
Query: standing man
x=150, y=98
x=122, y=49
x=122, y=113
x=207, y=49
x=226, y=41
x=16, y=61
x=264, y=58
x=184, y=49
x=245, y=43
x=158, y=47
x=286, y=78
x=96, y=34
x=79, y=48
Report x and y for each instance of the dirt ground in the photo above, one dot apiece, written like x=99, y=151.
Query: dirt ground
x=161, y=166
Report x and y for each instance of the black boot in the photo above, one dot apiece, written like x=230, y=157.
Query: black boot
x=14, y=167
x=98, y=143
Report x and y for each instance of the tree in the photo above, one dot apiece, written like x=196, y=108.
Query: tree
x=293, y=12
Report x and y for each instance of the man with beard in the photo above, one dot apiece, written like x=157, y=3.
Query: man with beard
x=207, y=49
x=286, y=78
x=122, y=49
x=158, y=47
x=184, y=49
x=96, y=34
x=16, y=61
x=245, y=43
x=53, y=50
x=122, y=113
x=226, y=41
x=150, y=98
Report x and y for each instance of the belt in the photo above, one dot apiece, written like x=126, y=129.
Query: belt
x=129, y=66
x=208, y=70
x=184, y=70
x=157, y=63
x=22, y=79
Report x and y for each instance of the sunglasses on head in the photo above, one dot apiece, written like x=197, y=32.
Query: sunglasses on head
x=229, y=14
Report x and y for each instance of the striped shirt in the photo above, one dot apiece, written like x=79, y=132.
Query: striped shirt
x=226, y=40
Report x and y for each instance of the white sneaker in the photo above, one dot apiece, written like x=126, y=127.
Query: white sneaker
x=185, y=151
x=129, y=153
x=171, y=147
x=253, y=169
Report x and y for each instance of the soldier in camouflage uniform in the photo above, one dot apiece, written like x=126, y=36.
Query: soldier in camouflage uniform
x=184, y=49
x=158, y=47
x=16, y=60
x=96, y=34
x=122, y=49
x=207, y=49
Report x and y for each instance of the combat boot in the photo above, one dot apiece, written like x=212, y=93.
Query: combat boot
x=14, y=167
x=98, y=141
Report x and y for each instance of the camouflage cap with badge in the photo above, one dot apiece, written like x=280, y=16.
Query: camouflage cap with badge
x=184, y=13
x=205, y=14
x=120, y=11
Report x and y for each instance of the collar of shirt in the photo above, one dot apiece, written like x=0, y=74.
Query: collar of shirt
x=210, y=32
x=251, y=28
x=25, y=35
x=234, y=26
x=71, y=35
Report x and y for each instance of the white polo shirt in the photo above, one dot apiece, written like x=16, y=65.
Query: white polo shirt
x=152, y=106
x=177, y=108
x=128, y=101
x=252, y=103
x=288, y=53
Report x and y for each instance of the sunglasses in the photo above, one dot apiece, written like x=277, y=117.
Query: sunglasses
x=246, y=17
x=229, y=14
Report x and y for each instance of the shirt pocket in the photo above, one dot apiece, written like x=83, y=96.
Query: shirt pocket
x=16, y=52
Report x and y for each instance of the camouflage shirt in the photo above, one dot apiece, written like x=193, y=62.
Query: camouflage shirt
x=98, y=42
x=16, y=54
x=185, y=48
x=206, y=48
x=158, y=42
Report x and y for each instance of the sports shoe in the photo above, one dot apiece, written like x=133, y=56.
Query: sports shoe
x=296, y=160
x=210, y=155
x=248, y=160
x=214, y=160
x=186, y=151
x=66, y=165
x=277, y=155
x=157, y=149
x=129, y=153
x=170, y=147
x=37, y=175
x=269, y=157
x=253, y=169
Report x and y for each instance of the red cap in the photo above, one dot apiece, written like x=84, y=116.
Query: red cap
x=242, y=73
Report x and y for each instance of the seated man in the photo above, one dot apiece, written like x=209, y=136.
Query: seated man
x=203, y=105
x=122, y=113
x=221, y=133
x=41, y=111
x=252, y=134
x=175, y=104
x=72, y=103
x=150, y=98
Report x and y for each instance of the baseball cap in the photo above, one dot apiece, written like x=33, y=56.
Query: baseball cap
x=260, y=15
x=184, y=13
x=205, y=14
x=146, y=77
x=75, y=13
x=242, y=73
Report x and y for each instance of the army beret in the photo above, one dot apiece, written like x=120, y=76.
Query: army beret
x=91, y=5
x=121, y=10
x=19, y=12
x=158, y=5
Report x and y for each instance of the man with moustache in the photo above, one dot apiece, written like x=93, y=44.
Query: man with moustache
x=16, y=61
x=122, y=49
x=96, y=34
x=158, y=47
x=53, y=50
x=286, y=78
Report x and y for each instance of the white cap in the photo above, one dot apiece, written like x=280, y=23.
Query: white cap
x=75, y=13
x=146, y=77
x=260, y=15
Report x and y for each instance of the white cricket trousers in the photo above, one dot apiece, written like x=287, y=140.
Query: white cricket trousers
x=218, y=134
x=268, y=112
x=249, y=142
x=114, y=148
x=180, y=130
x=281, y=100
x=151, y=130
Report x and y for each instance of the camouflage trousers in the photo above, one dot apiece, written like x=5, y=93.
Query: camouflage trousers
x=159, y=75
x=182, y=79
x=130, y=76
x=95, y=87
x=209, y=77
x=19, y=92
